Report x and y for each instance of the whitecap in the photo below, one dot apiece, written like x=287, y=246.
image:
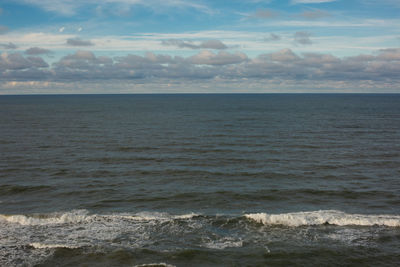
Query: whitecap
x=324, y=217
x=38, y=245
x=158, y=216
x=74, y=216
x=162, y=264
x=223, y=244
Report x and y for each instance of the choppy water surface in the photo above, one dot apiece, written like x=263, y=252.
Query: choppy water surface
x=199, y=180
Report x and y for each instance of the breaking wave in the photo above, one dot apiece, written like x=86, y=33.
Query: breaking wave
x=333, y=217
x=38, y=245
x=162, y=264
x=35, y=237
x=51, y=218
x=324, y=217
x=79, y=216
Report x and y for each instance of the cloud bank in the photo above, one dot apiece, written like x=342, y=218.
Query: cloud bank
x=282, y=67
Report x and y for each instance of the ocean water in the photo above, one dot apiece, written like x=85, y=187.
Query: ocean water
x=200, y=180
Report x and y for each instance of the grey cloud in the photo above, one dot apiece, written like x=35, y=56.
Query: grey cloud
x=208, y=44
x=284, y=55
x=283, y=65
x=272, y=37
x=302, y=38
x=79, y=42
x=222, y=58
x=319, y=60
x=213, y=44
x=37, y=62
x=16, y=61
x=179, y=43
x=83, y=62
x=389, y=54
x=37, y=51
x=314, y=14
x=3, y=29
x=8, y=46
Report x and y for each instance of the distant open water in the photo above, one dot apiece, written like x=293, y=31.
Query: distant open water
x=200, y=180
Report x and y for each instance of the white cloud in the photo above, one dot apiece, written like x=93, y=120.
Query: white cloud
x=70, y=7
x=252, y=43
x=314, y=14
x=61, y=29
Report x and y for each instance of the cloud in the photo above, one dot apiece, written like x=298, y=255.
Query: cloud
x=314, y=14
x=213, y=44
x=311, y=1
x=284, y=55
x=313, y=70
x=389, y=54
x=70, y=8
x=302, y=38
x=264, y=14
x=3, y=29
x=222, y=58
x=61, y=29
x=79, y=42
x=37, y=51
x=272, y=37
x=15, y=61
x=9, y=46
x=208, y=44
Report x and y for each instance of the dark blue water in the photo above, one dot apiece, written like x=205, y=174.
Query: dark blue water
x=199, y=180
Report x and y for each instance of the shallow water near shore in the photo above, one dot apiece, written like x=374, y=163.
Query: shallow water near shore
x=199, y=180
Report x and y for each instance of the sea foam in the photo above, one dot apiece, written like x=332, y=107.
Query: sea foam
x=324, y=217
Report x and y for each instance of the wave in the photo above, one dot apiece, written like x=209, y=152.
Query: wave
x=321, y=217
x=159, y=216
x=162, y=264
x=80, y=216
x=294, y=219
x=75, y=216
x=38, y=245
x=224, y=243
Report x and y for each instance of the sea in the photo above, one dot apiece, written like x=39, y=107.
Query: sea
x=200, y=180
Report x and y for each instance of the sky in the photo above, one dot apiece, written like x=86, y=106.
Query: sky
x=203, y=46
